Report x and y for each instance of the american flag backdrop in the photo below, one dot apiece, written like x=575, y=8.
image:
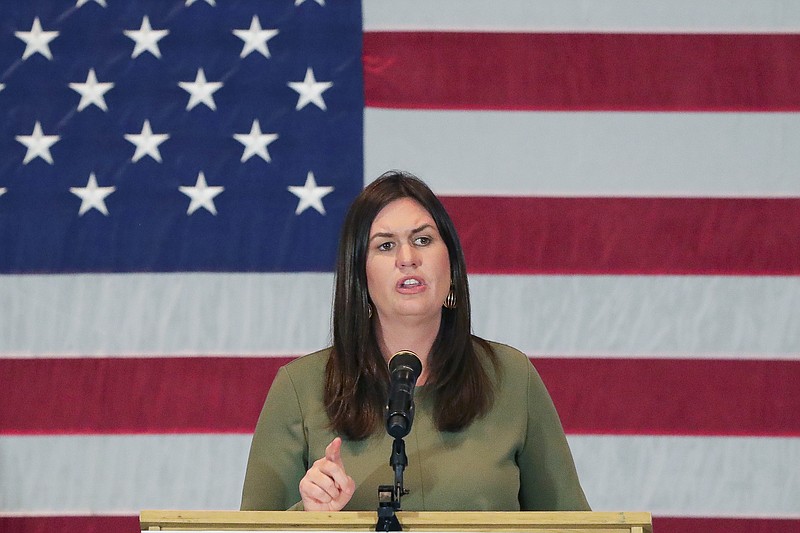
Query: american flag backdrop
x=624, y=175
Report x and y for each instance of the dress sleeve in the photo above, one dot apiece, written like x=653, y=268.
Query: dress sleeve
x=278, y=453
x=548, y=479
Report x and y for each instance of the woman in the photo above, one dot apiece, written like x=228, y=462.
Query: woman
x=485, y=436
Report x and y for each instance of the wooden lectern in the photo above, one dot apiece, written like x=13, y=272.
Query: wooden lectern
x=447, y=522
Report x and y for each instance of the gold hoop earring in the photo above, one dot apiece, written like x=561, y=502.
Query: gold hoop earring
x=450, y=301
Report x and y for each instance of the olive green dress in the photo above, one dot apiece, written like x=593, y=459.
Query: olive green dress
x=516, y=457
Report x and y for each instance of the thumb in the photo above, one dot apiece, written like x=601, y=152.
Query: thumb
x=333, y=451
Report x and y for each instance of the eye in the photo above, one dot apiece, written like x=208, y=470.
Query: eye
x=422, y=240
x=385, y=246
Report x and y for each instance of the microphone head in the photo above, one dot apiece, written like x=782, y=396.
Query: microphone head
x=407, y=359
x=404, y=369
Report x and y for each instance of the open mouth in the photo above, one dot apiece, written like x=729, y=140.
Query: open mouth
x=410, y=283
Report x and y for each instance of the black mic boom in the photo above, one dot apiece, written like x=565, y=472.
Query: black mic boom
x=404, y=369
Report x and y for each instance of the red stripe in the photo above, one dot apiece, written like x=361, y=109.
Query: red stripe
x=130, y=524
x=565, y=71
x=219, y=395
x=524, y=235
x=676, y=397
x=158, y=395
x=70, y=524
x=724, y=525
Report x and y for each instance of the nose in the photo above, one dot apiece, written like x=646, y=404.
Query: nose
x=407, y=256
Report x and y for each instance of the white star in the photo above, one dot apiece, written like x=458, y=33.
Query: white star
x=310, y=195
x=210, y=2
x=38, y=144
x=255, y=142
x=37, y=40
x=202, y=195
x=310, y=90
x=255, y=39
x=201, y=91
x=92, y=196
x=82, y=2
x=147, y=142
x=146, y=38
x=92, y=92
x=298, y=2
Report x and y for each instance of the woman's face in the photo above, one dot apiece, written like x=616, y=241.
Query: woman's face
x=408, y=268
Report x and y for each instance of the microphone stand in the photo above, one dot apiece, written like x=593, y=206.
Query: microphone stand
x=388, y=495
x=404, y=369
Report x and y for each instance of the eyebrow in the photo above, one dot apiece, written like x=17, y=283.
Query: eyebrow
x=413, y=231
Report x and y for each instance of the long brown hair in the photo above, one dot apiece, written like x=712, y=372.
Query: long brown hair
x=356, y=376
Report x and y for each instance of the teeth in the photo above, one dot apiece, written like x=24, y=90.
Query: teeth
x=410, y=282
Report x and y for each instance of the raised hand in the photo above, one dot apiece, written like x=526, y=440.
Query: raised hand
x=326, y=486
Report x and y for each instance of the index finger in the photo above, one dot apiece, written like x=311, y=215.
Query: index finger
x=333, y=452
x=335, y=467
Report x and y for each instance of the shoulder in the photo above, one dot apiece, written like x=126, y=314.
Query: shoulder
x=519, y=379
x=313, y=362
x=307, y=372
x=508, y=358
x=507, y=353
x=298, y=387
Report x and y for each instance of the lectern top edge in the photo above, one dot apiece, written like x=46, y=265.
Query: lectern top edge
x=430, y=521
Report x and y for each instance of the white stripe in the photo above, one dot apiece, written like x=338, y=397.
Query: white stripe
x=677, y=476
x=588, y=153
x=121, y=473
x=684, y=16
x=641, y=316
x=289, y=314
x=162, y=314
x=690, y=476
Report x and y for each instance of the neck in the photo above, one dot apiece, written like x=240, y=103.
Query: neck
x=417, y=337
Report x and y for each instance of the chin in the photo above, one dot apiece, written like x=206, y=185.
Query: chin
x=421, y=312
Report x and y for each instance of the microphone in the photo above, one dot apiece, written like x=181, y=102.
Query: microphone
x=404, y=369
